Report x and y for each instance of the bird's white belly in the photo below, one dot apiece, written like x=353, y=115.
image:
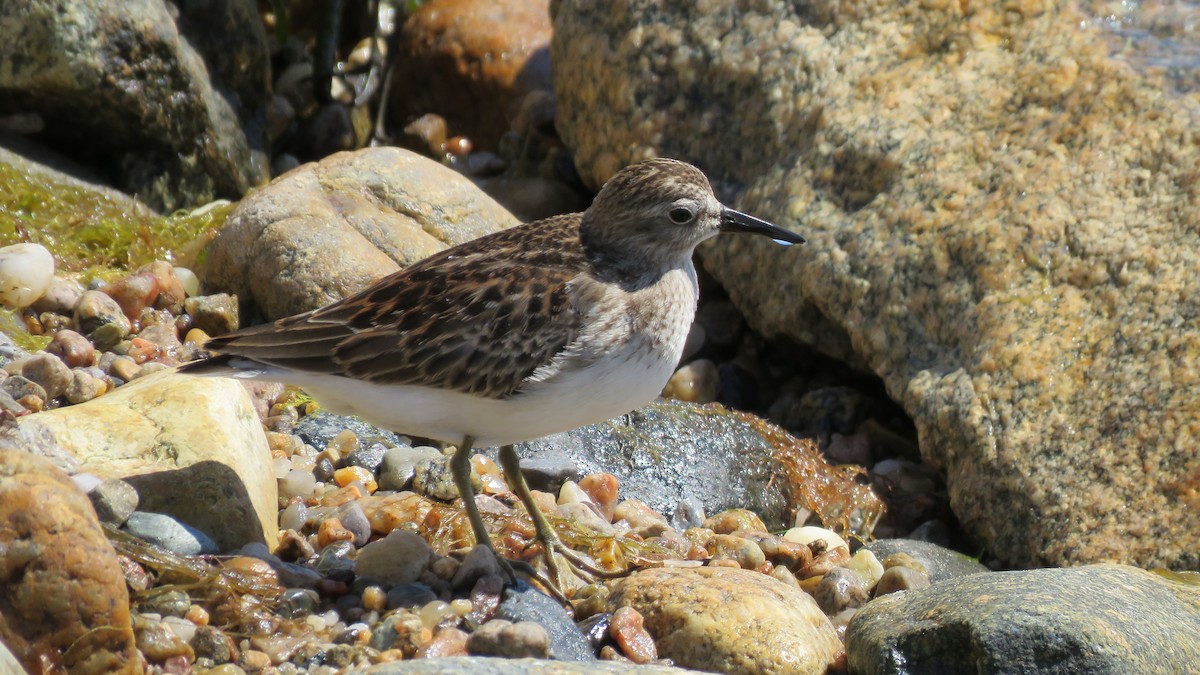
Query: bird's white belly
x=617, y=382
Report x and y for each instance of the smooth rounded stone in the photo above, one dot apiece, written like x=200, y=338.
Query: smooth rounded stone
x=215, y=314
x=60, y=297
x=297, y=484
x=867, y=567
x=84, y=387
x=643, y=520
x=69, y=596
x=940, y=562
x=689, y=512
x=471, y=62
x=895, y=579
x=171, y=290
x=133, y=293
x=472, y=665
x=94, y=311
x=321, y=427
x=398, y=558
x=840, y=589
x=379, y=208
x=729, y=620
x=510, y=640
x=163, y=530
x=10, y=351
x=335, y=557
x=410, y=596
x=114, y=501
x=668, y=450
x=695, y=382
x=74, y=349
x=807, y=534
x=447, y=641
x=26, y=271
x=167, y=430
x=355, y=520
x=297, y=602
x=734, y=520
x=746, y=553
x=548, y=473
x=19, y=387
x=157, y=642
x=123, y=367
x=1090, y=619
x=627, y=627
x=49, y=372
x=522, y=602
x=1096, y=312
x=170, y=603
x=187, y=279
x=399, y=464
x=585, y=516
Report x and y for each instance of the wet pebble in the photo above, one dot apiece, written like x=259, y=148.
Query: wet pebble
x=214, y=314
x=74, y=349
x=432, y=478
x=60, y=297
x=689, y=512
x=368, y=456
x=602, y=489
x=84, y=387
x=397, y=465
x=297, y=485
x=214, y=644
x=26, y=271
x=732, y=520
x=498, y=637
x=49, y=372
x=171, y=603
x=695, y=382
x=446, y=642
x=157, y=642
x=398, y=558
x=744, y=552
x=900, y=578
x=114, y=501
x=643, y=520
x=171, y=291
x=840, y=589
x=627, y=627
x=101, y=319
x=20, y=387
x=133, y=293
x=548, y=473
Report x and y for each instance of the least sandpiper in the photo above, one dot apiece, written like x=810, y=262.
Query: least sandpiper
x=530, y=331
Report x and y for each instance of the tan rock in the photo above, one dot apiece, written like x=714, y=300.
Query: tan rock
x=326, y=230
x=1002, y=220
x=62, y=593
x=730, y=620
x=192, y=447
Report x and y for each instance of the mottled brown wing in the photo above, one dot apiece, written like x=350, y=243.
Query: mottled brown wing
x=477, y=318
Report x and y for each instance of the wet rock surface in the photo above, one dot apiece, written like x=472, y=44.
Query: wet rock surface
x=986, y=234
x=1090, y=619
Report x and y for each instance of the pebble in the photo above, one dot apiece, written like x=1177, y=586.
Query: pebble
x=733, y=520
x=294, y=516
x=840, y=589
x=297, y=484
x=48, y=371
x=643, y=520
x=900, y=578
x=367, y=456
x=171, y=603
x=331, y=530
x=695, y=382
x=214, y=314
x=133, y=293
x=101, y=319
x=214, y=644
x=524, y=639
x=410, y=596
x=20, y=387
x=351, y=474
x=627, y=627
x=601, y=489
x=398, y=558
x=432, y=478
x=810, y=533
x=165, y=531
x=60, y=297
x=26, y=271
x=355, y=520
x=84, y=387
x=867, y=566
x=74, y=349
x=157, y=642
x=548, y=472
x=114, y=501
x=744, y=552
x=689, y=512
x=522, y=602
x=446, y=642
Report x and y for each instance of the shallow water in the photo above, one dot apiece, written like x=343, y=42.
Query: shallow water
x=1161, y=36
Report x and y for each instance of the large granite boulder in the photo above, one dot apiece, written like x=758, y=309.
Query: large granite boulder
x=1003, y=225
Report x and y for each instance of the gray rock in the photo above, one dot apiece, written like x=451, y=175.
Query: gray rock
x=1028, y=298
x=9, y=351
x=432, y=478
x=548, y=472
x=320, y=428
x=94, y=312
x=399, y=464
x=398, y=558
x=1091, y=619
x=668, y=451
x=525, y=603
x=379, y=209
x=49, y=372
x=18, y=387
x=114, y=501
x=165, y=531
x=147, y=89
x=368, y=456
x=940, y=562
x=355, y=520
x=214, y=314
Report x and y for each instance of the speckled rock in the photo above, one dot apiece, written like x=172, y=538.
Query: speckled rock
x=471, y=62
x=730, y=620
x=1002, y=223
x=144, y=91
x=1091, y=619
x=939, y=562
x=60, y=583
x=168, y=430
x=379, y=208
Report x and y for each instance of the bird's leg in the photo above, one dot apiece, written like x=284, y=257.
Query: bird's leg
x=460, y=469
x=511, y=464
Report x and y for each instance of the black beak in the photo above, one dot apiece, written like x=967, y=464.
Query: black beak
x=736, y=221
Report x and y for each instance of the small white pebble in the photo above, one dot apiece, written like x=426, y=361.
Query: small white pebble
x=297, y=484
x=315, y=621
x=26, y=271
x=803, y=535
x=293, y=517
x=282, y=467
x=189, y=280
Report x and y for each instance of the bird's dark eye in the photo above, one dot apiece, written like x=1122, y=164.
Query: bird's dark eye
x=680, y=215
